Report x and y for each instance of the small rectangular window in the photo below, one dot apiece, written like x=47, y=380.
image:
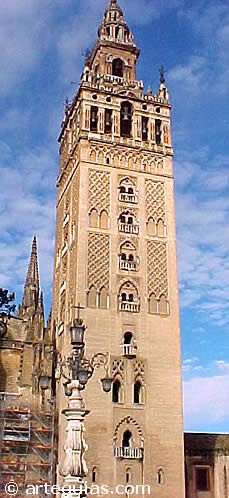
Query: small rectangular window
x=158, y=131
x=108, y=121
x=94, y=118
x=202, y=479
x=144, y=128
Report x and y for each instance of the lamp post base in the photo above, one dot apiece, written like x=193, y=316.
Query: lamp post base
x=74, y=487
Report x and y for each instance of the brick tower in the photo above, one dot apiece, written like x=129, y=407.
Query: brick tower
x=116, y=255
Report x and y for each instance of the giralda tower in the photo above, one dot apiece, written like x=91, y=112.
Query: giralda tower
x=116, y=255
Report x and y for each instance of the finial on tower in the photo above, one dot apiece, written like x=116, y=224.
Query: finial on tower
x=162, y=72
x=163, y=91
x=162, y=75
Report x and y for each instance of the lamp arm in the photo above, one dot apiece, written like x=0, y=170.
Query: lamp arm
x=86, y=364
x=101, y=360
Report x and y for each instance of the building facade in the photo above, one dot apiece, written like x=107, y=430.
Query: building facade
x=27, y=408
x=116, y=255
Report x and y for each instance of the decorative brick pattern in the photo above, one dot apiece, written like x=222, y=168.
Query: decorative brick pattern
x=155, y=200
x=98, y=260
x=118, y=368
x=157, y=268
x=99, y=190
x=139, y=370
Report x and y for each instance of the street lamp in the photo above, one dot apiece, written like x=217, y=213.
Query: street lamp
x=76, y=370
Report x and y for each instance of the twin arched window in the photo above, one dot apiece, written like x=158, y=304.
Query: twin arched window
x=97, y=299
x=129, y=298
x=156, y=228
x=98, y=220
x=158, y=305
x=127, y=191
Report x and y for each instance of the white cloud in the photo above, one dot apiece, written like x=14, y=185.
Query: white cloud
x=206, y=401
x=202, y=217
x=191, y=75
x=208, y=71
x=27, y=209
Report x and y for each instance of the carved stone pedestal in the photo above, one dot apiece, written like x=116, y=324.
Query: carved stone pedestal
x=74, y=467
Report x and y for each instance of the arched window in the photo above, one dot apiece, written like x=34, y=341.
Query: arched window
x=131, y=257
x=129, y=298
x=123, y=219
x=116, y=391
x=123, y=256
x=92, y=298
x=145, y=128
x=151, y=227
x=137, y=392
x=127, y=190
x=128, y=338
x=126, y=119
x=126, y=441
x=108, y=121
x=160, y=228
x=158, y=131
x=94, y=118
x=163, y=305
x=128, y=476
x=130, y=220
x=153, y=304
x=94, y=475
x=103, y=298
x=93, y=218
x=117, y=68
x=104, y=220
x=160, y=476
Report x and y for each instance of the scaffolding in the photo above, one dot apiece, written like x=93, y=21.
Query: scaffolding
x=27, y=444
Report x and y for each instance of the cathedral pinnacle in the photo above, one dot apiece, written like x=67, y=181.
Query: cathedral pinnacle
x=32, y=278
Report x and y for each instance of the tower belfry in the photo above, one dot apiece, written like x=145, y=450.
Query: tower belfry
x=116, y=255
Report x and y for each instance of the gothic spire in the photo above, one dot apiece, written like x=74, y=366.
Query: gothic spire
x=31, y=289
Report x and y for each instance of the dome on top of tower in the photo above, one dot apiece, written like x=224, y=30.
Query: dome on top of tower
x=113, y=7
x=113, y=27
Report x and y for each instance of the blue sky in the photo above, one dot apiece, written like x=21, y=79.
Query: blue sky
x=42, y=45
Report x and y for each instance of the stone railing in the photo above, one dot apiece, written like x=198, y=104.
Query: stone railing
x=124, y=227
x=128, y=350
x=131, y=453
x=128, y=306
x=124, y=197
x=127, y=265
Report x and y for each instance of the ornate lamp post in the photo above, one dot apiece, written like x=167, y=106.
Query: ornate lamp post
x=76, y=371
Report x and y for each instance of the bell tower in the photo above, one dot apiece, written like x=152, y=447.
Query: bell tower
x=116, y=255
